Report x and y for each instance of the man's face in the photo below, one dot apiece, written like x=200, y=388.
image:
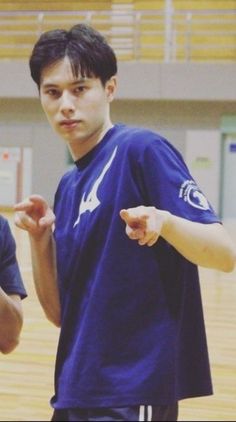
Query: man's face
x=77, y=109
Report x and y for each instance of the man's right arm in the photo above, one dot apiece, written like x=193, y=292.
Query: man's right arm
x=35, y=216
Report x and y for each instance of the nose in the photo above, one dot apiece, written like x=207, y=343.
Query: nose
x=67, y=107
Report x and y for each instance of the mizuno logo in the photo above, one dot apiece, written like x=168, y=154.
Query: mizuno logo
x=91, y=201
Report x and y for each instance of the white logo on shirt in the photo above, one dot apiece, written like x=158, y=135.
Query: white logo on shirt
x=92, y=201
x=191, y=194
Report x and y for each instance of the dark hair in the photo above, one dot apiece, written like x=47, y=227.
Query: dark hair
x=88, y=51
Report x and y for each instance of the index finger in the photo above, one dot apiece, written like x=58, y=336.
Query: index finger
x=35, y=202
x=134, y=222
x=25, y=205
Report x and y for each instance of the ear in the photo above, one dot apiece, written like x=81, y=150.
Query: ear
x=110, y=88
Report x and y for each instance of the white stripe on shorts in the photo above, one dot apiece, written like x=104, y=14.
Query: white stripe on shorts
x=149, y=413
x=141, y=413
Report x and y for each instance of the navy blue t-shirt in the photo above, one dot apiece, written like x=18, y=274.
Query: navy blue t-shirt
x=132, y=322
x=10, y=277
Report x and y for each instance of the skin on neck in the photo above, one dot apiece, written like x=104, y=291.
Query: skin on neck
x=80, y=149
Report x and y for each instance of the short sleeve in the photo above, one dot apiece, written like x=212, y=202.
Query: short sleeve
x=168, y=184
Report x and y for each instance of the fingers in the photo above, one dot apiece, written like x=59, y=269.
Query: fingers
x=38, y=201
x=25, y=205
x=48, y=220
x=34, y=215
x=134, y=220
x=24, y=221
x=34, y=227
x=133, y=233
x=124, y=215
x=149, y=239
x=140, y=224
x=135, y=224
x=34, y=203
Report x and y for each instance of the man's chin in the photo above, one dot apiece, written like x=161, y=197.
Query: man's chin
x=76, y=139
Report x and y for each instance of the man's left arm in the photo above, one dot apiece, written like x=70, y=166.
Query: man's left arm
x=207, y=245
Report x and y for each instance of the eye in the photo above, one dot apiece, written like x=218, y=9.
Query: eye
x=79, y=89
x=52, y=92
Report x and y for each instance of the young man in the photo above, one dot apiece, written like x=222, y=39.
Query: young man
x=11, y=291
x=132, y=340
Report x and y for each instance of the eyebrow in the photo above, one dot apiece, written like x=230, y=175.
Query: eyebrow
x=76, y=82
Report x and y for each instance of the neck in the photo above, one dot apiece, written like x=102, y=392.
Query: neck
x=80, y=149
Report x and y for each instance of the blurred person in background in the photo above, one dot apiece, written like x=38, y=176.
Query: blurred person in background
x=11, y=291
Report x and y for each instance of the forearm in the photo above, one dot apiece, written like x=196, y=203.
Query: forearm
x=45, y=275
x=11, y=320
x=207, y=245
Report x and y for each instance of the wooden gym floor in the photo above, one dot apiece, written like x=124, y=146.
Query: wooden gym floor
x=27, y=374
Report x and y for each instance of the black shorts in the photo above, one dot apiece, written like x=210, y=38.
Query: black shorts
x=132, y=413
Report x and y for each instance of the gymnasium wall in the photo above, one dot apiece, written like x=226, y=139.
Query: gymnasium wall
x=140, y=80
x=169, y=98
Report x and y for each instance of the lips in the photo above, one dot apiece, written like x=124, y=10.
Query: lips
x=69, y=123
